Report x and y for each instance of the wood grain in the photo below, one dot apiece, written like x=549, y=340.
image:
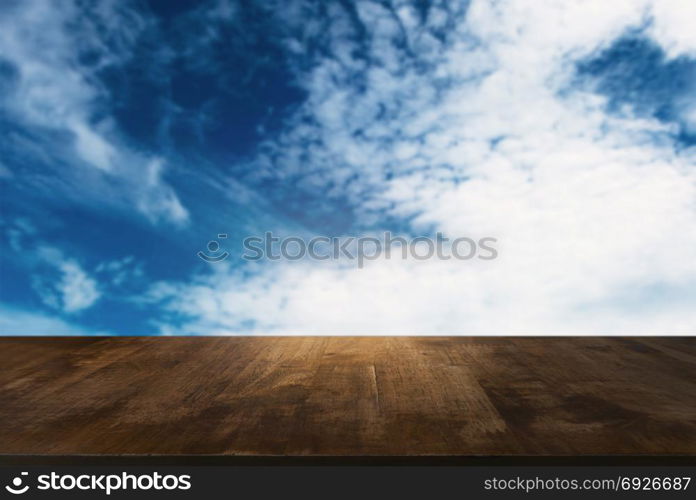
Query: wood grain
x=321, y=396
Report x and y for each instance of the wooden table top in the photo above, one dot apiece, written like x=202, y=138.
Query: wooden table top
x=323, y=396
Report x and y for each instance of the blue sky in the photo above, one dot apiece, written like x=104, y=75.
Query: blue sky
x=132, y=133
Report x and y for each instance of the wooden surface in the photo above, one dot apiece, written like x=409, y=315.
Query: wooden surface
x=348, y=396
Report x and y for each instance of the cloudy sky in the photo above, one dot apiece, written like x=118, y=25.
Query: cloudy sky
x=132, y=133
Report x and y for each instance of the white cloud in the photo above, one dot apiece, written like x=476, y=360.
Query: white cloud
x=121, y=272
x=488, y=140
x=60, y=281
x=19, y=322
x=157, y=200
x=92, y=147
x=73, y=291
x=78, y=290
x=57, y=91
x=673, y=28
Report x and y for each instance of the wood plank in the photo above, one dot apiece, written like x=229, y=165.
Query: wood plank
x=321, y=396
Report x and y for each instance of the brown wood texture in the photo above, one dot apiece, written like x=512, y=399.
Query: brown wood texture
x=320, y=396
